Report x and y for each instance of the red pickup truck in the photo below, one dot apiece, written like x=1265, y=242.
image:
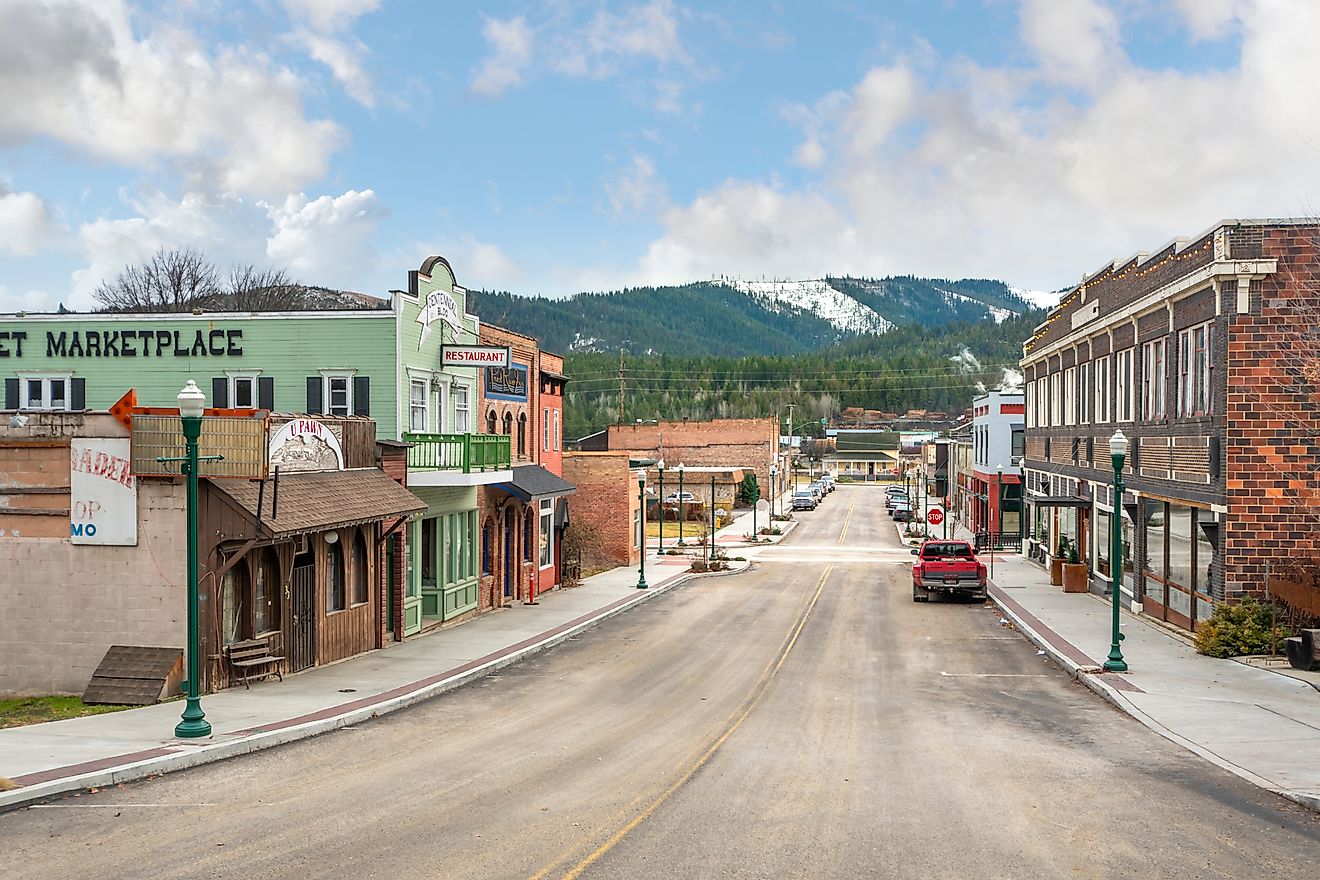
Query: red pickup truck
x=948, y=567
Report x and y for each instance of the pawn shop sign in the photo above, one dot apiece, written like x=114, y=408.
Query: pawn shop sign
x=935, y=516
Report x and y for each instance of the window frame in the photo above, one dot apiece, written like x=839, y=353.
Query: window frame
x=546, y=540
x=45, y=378
x=232, y=380
x=267, y=563
x=336, y=583
x=1070, y=396
x=328, y=378
x=462, y=409
x=361, y=572
x=1154, y=379
x=423, y=408
x=1100, y=390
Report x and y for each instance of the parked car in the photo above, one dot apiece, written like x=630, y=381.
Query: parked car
x=892, y=501
x=828, y=482
x=818, y=489
x=804, y=500
x=948, y=567
x=688, y=498
x=902, y=513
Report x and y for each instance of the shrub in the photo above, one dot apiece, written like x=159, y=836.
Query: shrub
x=1238, y=630
x=700, y=564
x=740, y=559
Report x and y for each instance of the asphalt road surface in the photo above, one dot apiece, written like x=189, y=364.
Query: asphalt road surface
x=802, y=720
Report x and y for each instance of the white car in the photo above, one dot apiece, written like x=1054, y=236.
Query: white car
x=688, y=498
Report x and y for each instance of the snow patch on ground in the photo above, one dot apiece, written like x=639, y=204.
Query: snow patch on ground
x=817, y=297
x=580, y=343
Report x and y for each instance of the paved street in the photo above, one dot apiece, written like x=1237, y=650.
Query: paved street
x=804, y=719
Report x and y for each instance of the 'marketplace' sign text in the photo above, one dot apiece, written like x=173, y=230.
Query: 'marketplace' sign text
x=124, y=343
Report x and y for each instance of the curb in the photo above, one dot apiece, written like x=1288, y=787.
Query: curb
x=199, y=755
x=1116, y=699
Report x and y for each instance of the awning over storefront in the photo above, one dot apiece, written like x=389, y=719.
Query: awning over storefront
x=531, y=481
x=317, y=502
x=1058, y=501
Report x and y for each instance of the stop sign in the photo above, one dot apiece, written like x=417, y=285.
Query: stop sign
x=934, y=516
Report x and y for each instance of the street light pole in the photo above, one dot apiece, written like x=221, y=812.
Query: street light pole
x=774, y=490
x=191, y=405
x=641, y=500
x=681, y=543
x=1118, y=445
x=660, y=466
x=712, y=517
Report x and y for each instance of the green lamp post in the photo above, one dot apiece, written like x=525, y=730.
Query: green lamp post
x=1118, y=445
x=774, y=490
x=641, y=501
x=660, y=468
x=681, y=542
x=191, y=404
x=712, y=517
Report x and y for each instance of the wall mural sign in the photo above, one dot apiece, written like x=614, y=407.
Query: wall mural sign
x=305, y=445
x=507, y=383
x=439, y=306
x=102, y=492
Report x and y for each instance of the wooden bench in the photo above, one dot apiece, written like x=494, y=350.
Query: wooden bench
x=1304, y=650
x=253, y=654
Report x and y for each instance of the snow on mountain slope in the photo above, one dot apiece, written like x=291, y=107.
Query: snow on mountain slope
x=817, y=297
x=994, y=312
x=1041, y=299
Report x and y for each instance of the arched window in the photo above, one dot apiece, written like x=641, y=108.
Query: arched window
x=527, y=536
x=267, y=595
x=233, y=598
x=488, y=547
x=490, y=422
x=508, y=423
x=335, y=581
x=360, y=570
x=522, y=434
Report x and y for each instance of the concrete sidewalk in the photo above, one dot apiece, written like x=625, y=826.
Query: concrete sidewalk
x=99, y=750
x=1260, y=725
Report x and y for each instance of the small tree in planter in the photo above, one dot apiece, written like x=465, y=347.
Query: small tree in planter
x=1057, y=560
x=1075, y=573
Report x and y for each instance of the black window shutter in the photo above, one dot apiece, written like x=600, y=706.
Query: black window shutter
x=77, y=394
x=266, y=392
x=11, y=393
x=220, y=392
x=361, y=395
x=314, y=395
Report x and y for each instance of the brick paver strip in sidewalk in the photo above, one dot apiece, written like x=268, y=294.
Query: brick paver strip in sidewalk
x=90, y=766
x=1062, y=645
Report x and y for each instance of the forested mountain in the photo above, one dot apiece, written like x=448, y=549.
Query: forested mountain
x=730, y=318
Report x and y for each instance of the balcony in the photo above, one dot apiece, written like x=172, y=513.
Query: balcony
x=458, y=459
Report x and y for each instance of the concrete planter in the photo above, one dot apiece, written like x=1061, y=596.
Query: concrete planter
x=1056, y=570
x=1076, y=577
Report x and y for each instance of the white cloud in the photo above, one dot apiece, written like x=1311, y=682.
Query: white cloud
x=637, y=188
x=647, y=31
x=344, y=58
x=327, y=240
x=1033, y=174
x=26, y=224
x=1209, y=19
x=76, y=71
x=511, y=52
x=328, y=16
x=28, y=301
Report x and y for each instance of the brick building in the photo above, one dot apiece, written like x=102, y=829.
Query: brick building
x=611, y=524
x=750, y=444
x=522, y=518
x=1204, y=355
x=997, y=437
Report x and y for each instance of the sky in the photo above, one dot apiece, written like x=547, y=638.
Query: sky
x=555, y=147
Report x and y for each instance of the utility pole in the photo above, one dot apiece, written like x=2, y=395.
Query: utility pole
x=621, y=386
x=792, y=463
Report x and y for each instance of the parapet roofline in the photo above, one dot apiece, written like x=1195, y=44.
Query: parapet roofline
x=51, y=317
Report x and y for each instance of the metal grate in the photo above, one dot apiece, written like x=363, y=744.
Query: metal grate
x=242, y=442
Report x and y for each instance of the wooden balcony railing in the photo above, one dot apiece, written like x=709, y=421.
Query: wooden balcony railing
x=458, y=452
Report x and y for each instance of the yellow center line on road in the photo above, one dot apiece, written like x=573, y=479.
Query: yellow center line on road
x=847, y=519
x=741, y=715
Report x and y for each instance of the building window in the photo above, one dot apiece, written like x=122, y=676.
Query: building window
x=522, y=434
x=558, y=438
x=361, y=592
x=335, y=583
x=1070, y=396
x=490, y=422
x=337, y=392
x=508, y=423
x=488, y=547
x=1084, y=394
x=418, y=405
x=1101, y=410
x=429, y=568
x=45, y=392
x=547, y=532
x=1056, y=400
x=462, y=425
x=267, y=598
x=1194, y=372
x=233, y=598
x=1019, y=446
x=1123, y=387
x=545, y=430
x=1152, y=380
x=527, y=537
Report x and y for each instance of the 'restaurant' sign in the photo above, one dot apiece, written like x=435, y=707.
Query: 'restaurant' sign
x=475, y=355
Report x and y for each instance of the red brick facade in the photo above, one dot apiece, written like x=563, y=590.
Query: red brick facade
x=606, y=505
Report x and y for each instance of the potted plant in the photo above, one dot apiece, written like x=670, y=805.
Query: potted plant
x=1076, y=577
x=1056, y=562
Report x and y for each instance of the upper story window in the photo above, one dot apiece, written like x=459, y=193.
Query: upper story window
x=522, y=434
x=1153, y=372
x=1195, y=371
x=339, y=392
x=418, y=405
x=1083, y=394
x=45, y=391
x=559, y=440
x=1124, y=389
x=490, y=422
x=242, y=388
x=1056, y=400
x=1101, y=404
x=462, y=419
x=1070, y=396
x=545, y=430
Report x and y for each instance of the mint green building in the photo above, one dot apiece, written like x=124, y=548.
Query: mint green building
x=384, y=363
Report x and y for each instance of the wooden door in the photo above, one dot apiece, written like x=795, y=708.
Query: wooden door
x=302, y=653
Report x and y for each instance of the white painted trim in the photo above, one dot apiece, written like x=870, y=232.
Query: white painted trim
x=426, y=479
x=167, y=317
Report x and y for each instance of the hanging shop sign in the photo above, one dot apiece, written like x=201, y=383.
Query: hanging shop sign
x=507, y=383
x=102, y=492
x=305, y=445
x=475, y=356
x=439, y=306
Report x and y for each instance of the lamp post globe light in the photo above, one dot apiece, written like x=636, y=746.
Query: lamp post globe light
x=192, y=403
x=681, y=542
x=660, y=468
x=774, y=490
x=641, y=500
x=1118, y=446
x=712, y=517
